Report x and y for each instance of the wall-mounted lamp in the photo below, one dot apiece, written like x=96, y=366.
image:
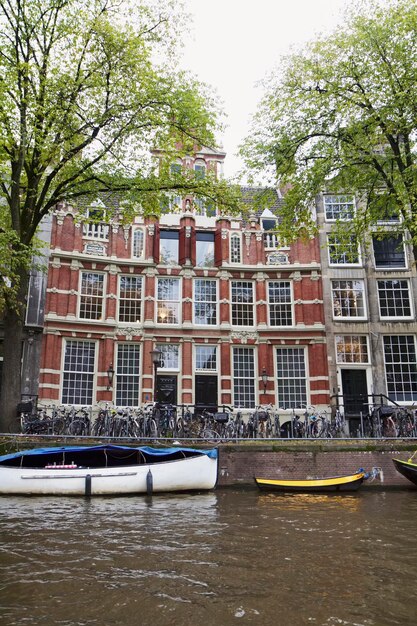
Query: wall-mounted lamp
x=110, y=376
x=264, y=377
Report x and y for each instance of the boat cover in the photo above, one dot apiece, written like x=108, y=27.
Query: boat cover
x=148, y=451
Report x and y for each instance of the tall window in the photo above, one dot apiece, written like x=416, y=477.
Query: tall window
x=291, y=378
x=175, y=200
x=339, y=207
x=394, y=298
x=130, y=299
x=170, y=356
x=138, y=243
x=128, y=374
x=95, y=225
x=204, y=249
x=168, y=247
x=168, y=301
x=206, y=358
x=200, y=168
x=205, y=301
x=343, y=251
x=280, y=303
x=91, y=296
x=401, y=367
x=389, y=251
x=351, y=349
x=244, y=378
x=242, y=303
x=235, y=248
x=78, y=372
x=348, y=298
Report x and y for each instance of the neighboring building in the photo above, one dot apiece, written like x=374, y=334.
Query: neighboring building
x=237, y=315
x=370, y=289
x=33, y=327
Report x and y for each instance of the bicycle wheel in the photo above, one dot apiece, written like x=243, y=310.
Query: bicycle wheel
x=317, y=428
x=152, y=428
x=210, y=435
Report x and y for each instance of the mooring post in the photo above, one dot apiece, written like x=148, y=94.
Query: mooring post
x=149, y=483
x=88, y=485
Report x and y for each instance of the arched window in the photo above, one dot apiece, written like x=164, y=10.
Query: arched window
x=137, y=243
x=200, y=168
x=235, y=248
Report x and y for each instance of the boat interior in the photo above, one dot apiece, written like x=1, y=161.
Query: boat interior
x=100, y=456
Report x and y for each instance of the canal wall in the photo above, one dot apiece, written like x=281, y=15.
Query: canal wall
x=240, y=462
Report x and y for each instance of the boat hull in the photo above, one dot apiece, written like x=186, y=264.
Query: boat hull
x=407, y=469
x=320, y=485
x=187, y=474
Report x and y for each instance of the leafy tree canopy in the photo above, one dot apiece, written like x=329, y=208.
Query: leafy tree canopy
x=87, y=89
x=341, y=116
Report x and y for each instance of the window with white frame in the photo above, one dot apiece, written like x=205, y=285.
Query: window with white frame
x=200, y=168
x=244, y=378
x=269, y=224
x=352, y=349
x=128, y=374
x=204, y=207
x=168, y=247
x=168, y=301
x=138, y=240
x=280, y=303
x=91, y=296
x=235, y=248
x=130, y=298
x=206, y=358
x=95, y=225
x=389, y=251
x=348, y=298
x=242, y=303
x=401, y=367
x=204, y=243
x=205, y=301
x=394, y=298
x=343, y=251
x=339, y=207
x=78, y=372
x=291, y=378
x=170, y=356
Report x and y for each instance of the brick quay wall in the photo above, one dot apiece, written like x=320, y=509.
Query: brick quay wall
x=240, y=462
x=313, y=459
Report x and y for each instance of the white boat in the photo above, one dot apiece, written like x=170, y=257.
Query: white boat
x=107, y=470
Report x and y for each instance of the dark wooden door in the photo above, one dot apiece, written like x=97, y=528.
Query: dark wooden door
x=166, y=389
x=206, y=392
x=355, y=392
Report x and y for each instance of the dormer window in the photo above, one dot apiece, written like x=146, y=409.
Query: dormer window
x=269, y=224
x=95, y=225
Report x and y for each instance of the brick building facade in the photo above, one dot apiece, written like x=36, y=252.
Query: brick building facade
x=237, y=317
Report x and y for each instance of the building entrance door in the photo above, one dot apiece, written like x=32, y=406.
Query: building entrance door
x=355, y=392
x=206, y=392
x=166, y=389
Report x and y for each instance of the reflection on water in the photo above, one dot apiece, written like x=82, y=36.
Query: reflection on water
x=213, y=558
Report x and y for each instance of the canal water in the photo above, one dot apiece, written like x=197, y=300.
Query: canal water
x=227, y=557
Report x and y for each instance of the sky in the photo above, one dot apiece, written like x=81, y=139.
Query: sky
x=233, y=44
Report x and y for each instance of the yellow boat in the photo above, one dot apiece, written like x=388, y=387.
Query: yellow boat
x=351, y=482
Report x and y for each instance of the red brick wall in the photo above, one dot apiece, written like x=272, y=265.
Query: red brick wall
x=240, y=465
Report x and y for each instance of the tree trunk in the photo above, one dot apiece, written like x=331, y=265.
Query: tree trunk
x=14, y=333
